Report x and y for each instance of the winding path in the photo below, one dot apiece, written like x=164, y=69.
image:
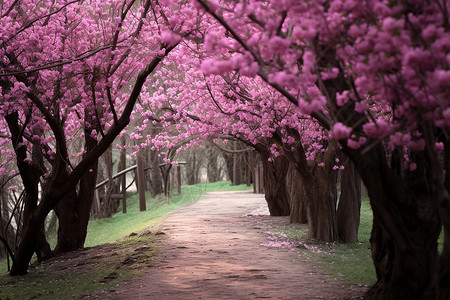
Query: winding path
x=213, y=251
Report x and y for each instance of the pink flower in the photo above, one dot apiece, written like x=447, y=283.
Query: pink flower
x=356, y=144
x=211, y=67
x=278, y=45
x=342, y=99
x=340, y=131
x=309, y=61
x=170, y=38
x=376, y=130
x=361, y=107
x=439, y=147
x=330, y=74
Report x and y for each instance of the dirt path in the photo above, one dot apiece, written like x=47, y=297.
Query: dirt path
x=213, y=251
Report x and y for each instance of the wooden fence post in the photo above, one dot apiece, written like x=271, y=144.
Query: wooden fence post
x=124, y=193
x=179, y=179
x=141, y=182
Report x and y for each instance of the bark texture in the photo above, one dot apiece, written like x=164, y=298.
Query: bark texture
x=405, y=228
x=297, y=195
x=348, y=211
x=320, y=187
x=276, y=195
x=73, y=211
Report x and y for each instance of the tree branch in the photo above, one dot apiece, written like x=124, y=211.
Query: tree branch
x=55, y=64
x=323, y=120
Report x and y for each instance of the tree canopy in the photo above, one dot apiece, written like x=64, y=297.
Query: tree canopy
x=299, y=80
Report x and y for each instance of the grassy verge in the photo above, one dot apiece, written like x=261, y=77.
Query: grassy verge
x=353, y=262
x=81, y=272
x=348, y=262
x=117, y=256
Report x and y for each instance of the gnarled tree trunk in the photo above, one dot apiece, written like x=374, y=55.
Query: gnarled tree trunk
x=321, y=191
x=319, y=187
x=405, y=227
x=297, y=196
x=276, y=195
x=73, y=210
x=348, y=211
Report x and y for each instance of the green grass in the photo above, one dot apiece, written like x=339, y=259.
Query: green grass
x=4, y=266
x=225, y=186
x=119, y=225
x=353, y=262
x=349, y=262
x=74, y=282
x=58, y=285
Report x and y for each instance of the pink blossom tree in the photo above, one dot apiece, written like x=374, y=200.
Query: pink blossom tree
x=376, y=76
x=73, y=70
x=194, y=107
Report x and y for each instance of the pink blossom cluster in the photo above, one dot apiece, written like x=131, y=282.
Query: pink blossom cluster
x=72, y=64
x=393, y=57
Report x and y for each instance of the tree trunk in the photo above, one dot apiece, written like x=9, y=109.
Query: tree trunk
x=444, y=260
x=248, y=169
x=405, y=227
x=33, y=216
x=236, y=178
x=141, y=181
x=73, y=210
x=348, y=211
x=165, y=170
x=70, y=237
x=3, y=220
x=108, y=205
x=320, y=188
x=43, y=250
x=122, y=180
x=213, y=170
x=157, y=187
x=297, y=196
x=276, y=195
x=27, y=244
x=229, y=166
x=73, y=214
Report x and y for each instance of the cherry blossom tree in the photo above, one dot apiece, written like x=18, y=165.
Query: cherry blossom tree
x=195, y=108
x=73, y=70
x=376, y=76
